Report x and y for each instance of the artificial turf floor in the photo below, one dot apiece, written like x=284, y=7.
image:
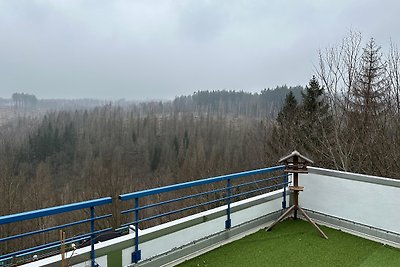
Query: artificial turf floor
x=297, y=243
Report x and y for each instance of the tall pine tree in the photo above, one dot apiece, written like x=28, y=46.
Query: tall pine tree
x=284, y=135
x=288, y=111
x=315, y=120
x=313, y=99
x=368, y=95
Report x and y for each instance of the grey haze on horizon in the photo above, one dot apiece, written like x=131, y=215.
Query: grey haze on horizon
x=159, y=49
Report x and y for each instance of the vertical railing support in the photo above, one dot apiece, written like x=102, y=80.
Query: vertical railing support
x=285, y=183
x=136, y=255
x=228, y=200
x=93, y=263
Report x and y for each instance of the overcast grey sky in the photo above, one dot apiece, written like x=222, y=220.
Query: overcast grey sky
x=151, y=49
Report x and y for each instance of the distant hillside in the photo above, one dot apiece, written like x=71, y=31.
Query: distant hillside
x=267, y=103
x=23, y=102
x=5, y=102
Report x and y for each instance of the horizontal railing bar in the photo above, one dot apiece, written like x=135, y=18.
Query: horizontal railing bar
x=258, y=189
x=53, y=210
x=173, y=200
x=203, y=204
x=122, y=227
x=198, y=205
x=175, y=211
x=54, y=244
x=258, y=181
x=123, y=197
x=199, y=194
x=173, y=187
x=72, y=239
x=54, y=228
x=75, y=239
x=125, y=225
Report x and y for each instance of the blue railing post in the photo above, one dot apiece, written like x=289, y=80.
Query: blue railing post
x=93, y=263
x=228, y=210
x=40, y=213
x=285, y=183
x=136, y=255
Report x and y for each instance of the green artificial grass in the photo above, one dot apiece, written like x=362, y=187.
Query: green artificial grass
x=115, y=258
x=297, y=243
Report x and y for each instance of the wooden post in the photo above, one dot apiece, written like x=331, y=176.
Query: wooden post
x=292, y=162
x=296, y=185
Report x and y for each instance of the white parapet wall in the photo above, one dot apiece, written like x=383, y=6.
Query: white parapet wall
x=178, y=234
x=363, y=203
x=173, y=240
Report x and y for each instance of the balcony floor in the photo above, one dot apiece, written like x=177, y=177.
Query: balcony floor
x=296, y=243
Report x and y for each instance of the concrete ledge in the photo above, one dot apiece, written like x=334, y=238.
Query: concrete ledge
x=183, y=223
x=170, y=236
x=149, y=239
x=355, y=176
x=194, y=249
x=358, y=229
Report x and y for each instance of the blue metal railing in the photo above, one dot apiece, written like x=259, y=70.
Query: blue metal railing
x=136, y=255
x=223, y=188
x=91, y=204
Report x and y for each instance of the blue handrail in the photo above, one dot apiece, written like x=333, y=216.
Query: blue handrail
x=224, y=194
x=23, y=216
x=53, y=210
x=54, y=228
x=212, y=191
x=174, y=187
x=136, y=255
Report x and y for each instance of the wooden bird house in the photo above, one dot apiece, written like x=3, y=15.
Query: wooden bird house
x=296, y=163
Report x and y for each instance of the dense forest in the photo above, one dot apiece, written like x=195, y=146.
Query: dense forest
x=61, y=157
x=345, y=118
x=136, y=146
x=265, y=104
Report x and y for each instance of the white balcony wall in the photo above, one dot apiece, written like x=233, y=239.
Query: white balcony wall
x=242, y=212
x=363, y=199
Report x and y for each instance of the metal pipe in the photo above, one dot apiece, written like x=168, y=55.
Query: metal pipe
x=92, y=237
x=228, y=210
x=174, y=187
x=285, y=178
x=136, y=254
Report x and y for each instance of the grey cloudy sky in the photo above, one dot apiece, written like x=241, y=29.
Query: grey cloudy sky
x=153, y=49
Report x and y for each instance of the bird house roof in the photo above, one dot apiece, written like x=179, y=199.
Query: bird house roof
x=289, y=158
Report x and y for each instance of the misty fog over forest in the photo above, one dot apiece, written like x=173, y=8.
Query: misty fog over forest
x=340, y=121
x=100, y=99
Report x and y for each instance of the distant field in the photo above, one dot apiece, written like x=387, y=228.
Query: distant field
x=6, y=114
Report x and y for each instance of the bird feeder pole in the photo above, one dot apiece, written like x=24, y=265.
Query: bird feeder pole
x=296, y=163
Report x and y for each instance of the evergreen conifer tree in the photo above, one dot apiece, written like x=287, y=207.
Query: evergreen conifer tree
x=369, y=92
x=288, y=111
x=314, y=120
x=284, y=134
x=313, y=101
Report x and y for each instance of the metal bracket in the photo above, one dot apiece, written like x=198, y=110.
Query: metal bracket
x=136, y=256
x=228, y=224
